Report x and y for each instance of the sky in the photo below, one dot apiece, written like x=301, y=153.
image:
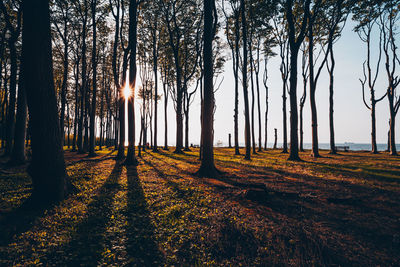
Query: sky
x=352, y=118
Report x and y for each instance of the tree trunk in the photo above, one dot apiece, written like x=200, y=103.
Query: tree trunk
x=131, y=158
x=187, y=125
x=314, y=119
x=64, y=82
x=76, y=116
x=373, y=128
x=18, y=153
x=236, y=73
x=92, y=141
x=47, y=168
x=393, y=150
x=83, y=86
x=275, y=138
x=253, y=137
x=284, y=113
x=207, y=167
x=331, y=121
x=12, y=98
x=155, y=58
x=294, y=145
x=165, y=117
x=244, y=80
x=179, y=116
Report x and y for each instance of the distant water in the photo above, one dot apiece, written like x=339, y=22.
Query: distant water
x=352, y=146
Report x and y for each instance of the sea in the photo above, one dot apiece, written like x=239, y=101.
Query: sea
x=326, y=146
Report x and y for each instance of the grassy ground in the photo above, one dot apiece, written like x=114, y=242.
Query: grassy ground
x=336, y=210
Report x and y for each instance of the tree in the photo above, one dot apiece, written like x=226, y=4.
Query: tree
x=314, y=35
x=119, y=14
x=335, y=23
x=244, y=81
x=47, y=168
x=233, y=39
x=366, y=16
x=62, y=13
x=207, y=167
x=182, y=20
x=14, y=30
x=388, y=19
x=304, y=74
x=296, y=37
x=281, y=35
x=133, y=13
x=92, y=141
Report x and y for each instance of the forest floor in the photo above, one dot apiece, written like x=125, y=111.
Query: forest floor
x=338, y=210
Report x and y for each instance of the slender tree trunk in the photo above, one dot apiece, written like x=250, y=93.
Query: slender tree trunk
x=284, y=113
x=155, y=61
x=259, y=112
x=47, y=168
x=294, y=142
x=388, y=139
x=179, y=116
x=64, y=82
x=76, y=116
x=86, y=119
x=253, y=137
x=18, y=153
x=92, y=141
x=393, y=150
x=236, y=73
x=331, y=121
x=314, y=119
x=165, y=117
x=68, y=127
x=373, y=128
x=187, y=130
x=83, y=87
x=244, y=80
x=133, y=10
x=275, y=138
x=12, y=98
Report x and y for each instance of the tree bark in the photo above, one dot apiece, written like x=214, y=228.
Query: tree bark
x=81, y=149
x=47, y=168
x=244, y=80
x=92, y=141
x=207, y=167
x=18, y=153
x=133, y=10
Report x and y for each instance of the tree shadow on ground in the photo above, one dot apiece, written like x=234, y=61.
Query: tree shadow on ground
x=142, y=248
x=19, y=220
x=86, y=246
x=341, y=207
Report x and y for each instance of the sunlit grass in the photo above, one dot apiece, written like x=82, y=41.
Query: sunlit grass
x=162, y=214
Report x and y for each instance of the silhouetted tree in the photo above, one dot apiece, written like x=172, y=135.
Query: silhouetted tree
x=296, y=37
x=207, y=167
x=366, y=16
x=47, y=168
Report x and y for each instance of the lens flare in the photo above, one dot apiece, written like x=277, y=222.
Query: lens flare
x=127, y=91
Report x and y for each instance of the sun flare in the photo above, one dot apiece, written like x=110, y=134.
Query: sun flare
x=127, y=91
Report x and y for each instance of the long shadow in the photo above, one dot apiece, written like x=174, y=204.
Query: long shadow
x=142, y=247
x=19, y=220
x=183, y=194
x=86, y=246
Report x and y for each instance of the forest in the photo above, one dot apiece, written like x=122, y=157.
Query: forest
x=91, y=92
